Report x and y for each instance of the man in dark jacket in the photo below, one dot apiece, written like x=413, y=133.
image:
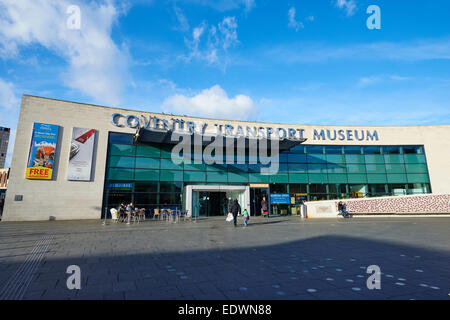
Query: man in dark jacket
x=121, y=211
x=235, y=210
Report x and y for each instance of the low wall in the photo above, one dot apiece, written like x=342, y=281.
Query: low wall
x=416, y=204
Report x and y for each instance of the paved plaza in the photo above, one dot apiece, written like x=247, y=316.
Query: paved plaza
x=279, y=258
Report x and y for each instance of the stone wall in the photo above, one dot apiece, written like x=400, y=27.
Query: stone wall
x=417, y=204
x=401, y=204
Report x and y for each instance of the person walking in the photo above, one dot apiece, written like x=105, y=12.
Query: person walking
x=246, y=216
x=264, y=207
x=121, y=211
x=130, y=211
x=235, y=210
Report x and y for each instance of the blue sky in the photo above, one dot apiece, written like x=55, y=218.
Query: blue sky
x=305, y=62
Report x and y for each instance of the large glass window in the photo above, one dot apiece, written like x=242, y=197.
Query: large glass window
x=418, y=188
x=147, y=163
x=170, y=186
x=357, y=190
x=413, y=150
x=120, y=174
x=336, y=168
x=120, y=138
x=353, y=150
x=356, y=168
x=318, y=188
x=392, y=150
x=190, y=176
x=337, y=191
x=170, y=165
x=337, y=178
x=333, y=150
x=278, y=188
x=395, y=168
x=170, y=199
x=396, y=189
x=314, y=149
x=148, y=151
x=298, y=167
x=416, y=168
x=372, y=150
x=146, y=175
x=299, y=158
x=375, y=168
x=414, y=158
x=121, y=162
x=298, y=149
x=317, y=168
x=298, y=188
x=377, y=190
x=393, y=158
x=321, y=172
x=355, y=158
x=122, y=150
x=146, y=186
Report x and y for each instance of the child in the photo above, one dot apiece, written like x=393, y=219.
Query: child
x=246, y=217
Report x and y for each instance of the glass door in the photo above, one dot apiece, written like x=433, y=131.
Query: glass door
x=256, y=196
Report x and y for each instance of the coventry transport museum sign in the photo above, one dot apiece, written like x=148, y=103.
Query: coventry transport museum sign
x=153, y=122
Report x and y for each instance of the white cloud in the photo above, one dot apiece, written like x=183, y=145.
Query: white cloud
x=376, y=79
x=211, y=43
x=213, y=102
x=97, y=67
x=9, y=107
x=293, y=23
x=225, y=5
x=182, y=20
x=249, y=4
x=418, y=50
x=398, y=78
x=228, y=29
x=349, y=6
x=8, y=99
x=368, y=81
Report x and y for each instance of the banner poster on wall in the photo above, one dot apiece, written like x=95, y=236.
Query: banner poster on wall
x=42, y=151
x=81, y=152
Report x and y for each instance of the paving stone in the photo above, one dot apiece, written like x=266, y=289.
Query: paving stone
x=211, y=260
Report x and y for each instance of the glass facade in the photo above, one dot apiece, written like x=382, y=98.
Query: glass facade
x=146, y=175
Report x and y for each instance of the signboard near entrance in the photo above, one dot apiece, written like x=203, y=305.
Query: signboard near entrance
x=280, y=198
x=259, y=185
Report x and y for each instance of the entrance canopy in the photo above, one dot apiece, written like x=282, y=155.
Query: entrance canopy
x=148, y=135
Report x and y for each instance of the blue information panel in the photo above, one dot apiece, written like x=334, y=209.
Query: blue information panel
x=280, y=198
x=121, y=186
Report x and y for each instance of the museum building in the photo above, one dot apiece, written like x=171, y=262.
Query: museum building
x=76, y=161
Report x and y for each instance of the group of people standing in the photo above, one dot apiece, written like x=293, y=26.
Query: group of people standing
x=124, y=209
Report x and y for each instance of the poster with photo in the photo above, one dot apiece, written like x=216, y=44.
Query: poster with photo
x=42, y=151
x=81, y=152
